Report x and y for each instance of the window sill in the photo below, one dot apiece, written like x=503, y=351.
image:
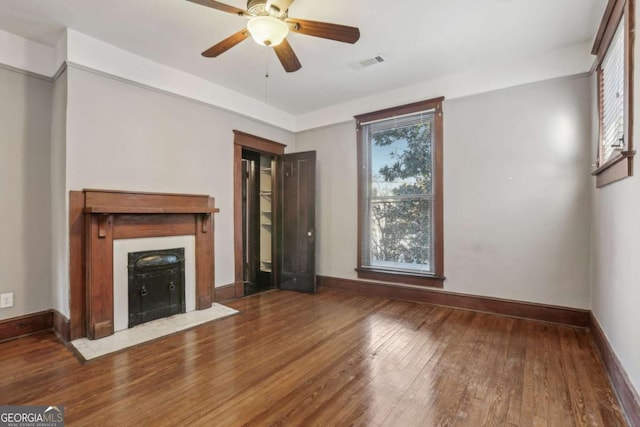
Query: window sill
x=615, y=169
x=430, y=280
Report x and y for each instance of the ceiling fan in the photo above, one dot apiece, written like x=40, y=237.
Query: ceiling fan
x=269, y=24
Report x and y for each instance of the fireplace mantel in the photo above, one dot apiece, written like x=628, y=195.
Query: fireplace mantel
x=97, y=217
x=121, y=202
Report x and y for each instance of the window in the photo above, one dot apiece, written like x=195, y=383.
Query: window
x=400, y=194
x=613, y=46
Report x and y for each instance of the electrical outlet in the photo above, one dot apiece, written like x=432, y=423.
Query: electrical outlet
x=6, y=300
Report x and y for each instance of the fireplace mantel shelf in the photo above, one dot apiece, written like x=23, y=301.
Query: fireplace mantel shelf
x=147, y=210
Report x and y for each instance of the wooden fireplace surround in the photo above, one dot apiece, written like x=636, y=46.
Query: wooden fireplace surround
x=97, y=217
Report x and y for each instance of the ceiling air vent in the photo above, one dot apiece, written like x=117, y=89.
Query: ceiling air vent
x=366, y=63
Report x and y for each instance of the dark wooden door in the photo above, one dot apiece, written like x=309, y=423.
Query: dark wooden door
x=298, y=258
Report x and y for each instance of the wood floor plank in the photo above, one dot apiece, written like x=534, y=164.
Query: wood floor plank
x=425, y=399
x=559, y=396
x=491, y=355
x=509, y=379
x=377, y=375
x=535, y=400
x=332, y=358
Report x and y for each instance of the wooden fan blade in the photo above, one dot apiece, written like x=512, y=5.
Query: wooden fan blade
x=226, y=44
x=340, y=33
x=221, y=6
x=287, y=57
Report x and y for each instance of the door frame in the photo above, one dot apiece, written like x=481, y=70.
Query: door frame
x=262, y=145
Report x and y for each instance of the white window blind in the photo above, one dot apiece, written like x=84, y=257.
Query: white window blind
x=612, y=97
x=398, y=122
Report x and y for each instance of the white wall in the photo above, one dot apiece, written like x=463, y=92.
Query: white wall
x=516, y=193
x=25, y=230
x=125, y=137
x=59, y=197
x=616, y=270
x=615, y=257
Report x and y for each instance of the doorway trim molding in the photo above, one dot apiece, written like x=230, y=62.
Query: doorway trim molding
x=262, y=145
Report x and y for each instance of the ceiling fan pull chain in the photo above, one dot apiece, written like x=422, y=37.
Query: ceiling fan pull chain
x=266, y=73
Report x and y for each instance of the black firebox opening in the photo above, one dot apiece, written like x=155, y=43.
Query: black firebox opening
x=156, y=285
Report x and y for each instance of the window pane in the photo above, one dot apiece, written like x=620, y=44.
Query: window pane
x=399, y=226
x=401, y=236
x=613, y=97
x=400, y=166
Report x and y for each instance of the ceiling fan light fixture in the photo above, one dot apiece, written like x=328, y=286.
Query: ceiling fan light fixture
x=267, y=30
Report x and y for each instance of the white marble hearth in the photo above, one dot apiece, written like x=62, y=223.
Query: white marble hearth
x=91, y=349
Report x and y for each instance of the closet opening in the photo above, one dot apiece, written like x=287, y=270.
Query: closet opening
x=258, y=221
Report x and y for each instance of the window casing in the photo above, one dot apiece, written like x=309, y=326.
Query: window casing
x=400, y=194
x=614, y=49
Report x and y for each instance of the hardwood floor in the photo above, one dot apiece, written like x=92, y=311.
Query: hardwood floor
x=328, y=359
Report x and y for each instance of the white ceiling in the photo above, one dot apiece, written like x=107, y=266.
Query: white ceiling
x=421, y=40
